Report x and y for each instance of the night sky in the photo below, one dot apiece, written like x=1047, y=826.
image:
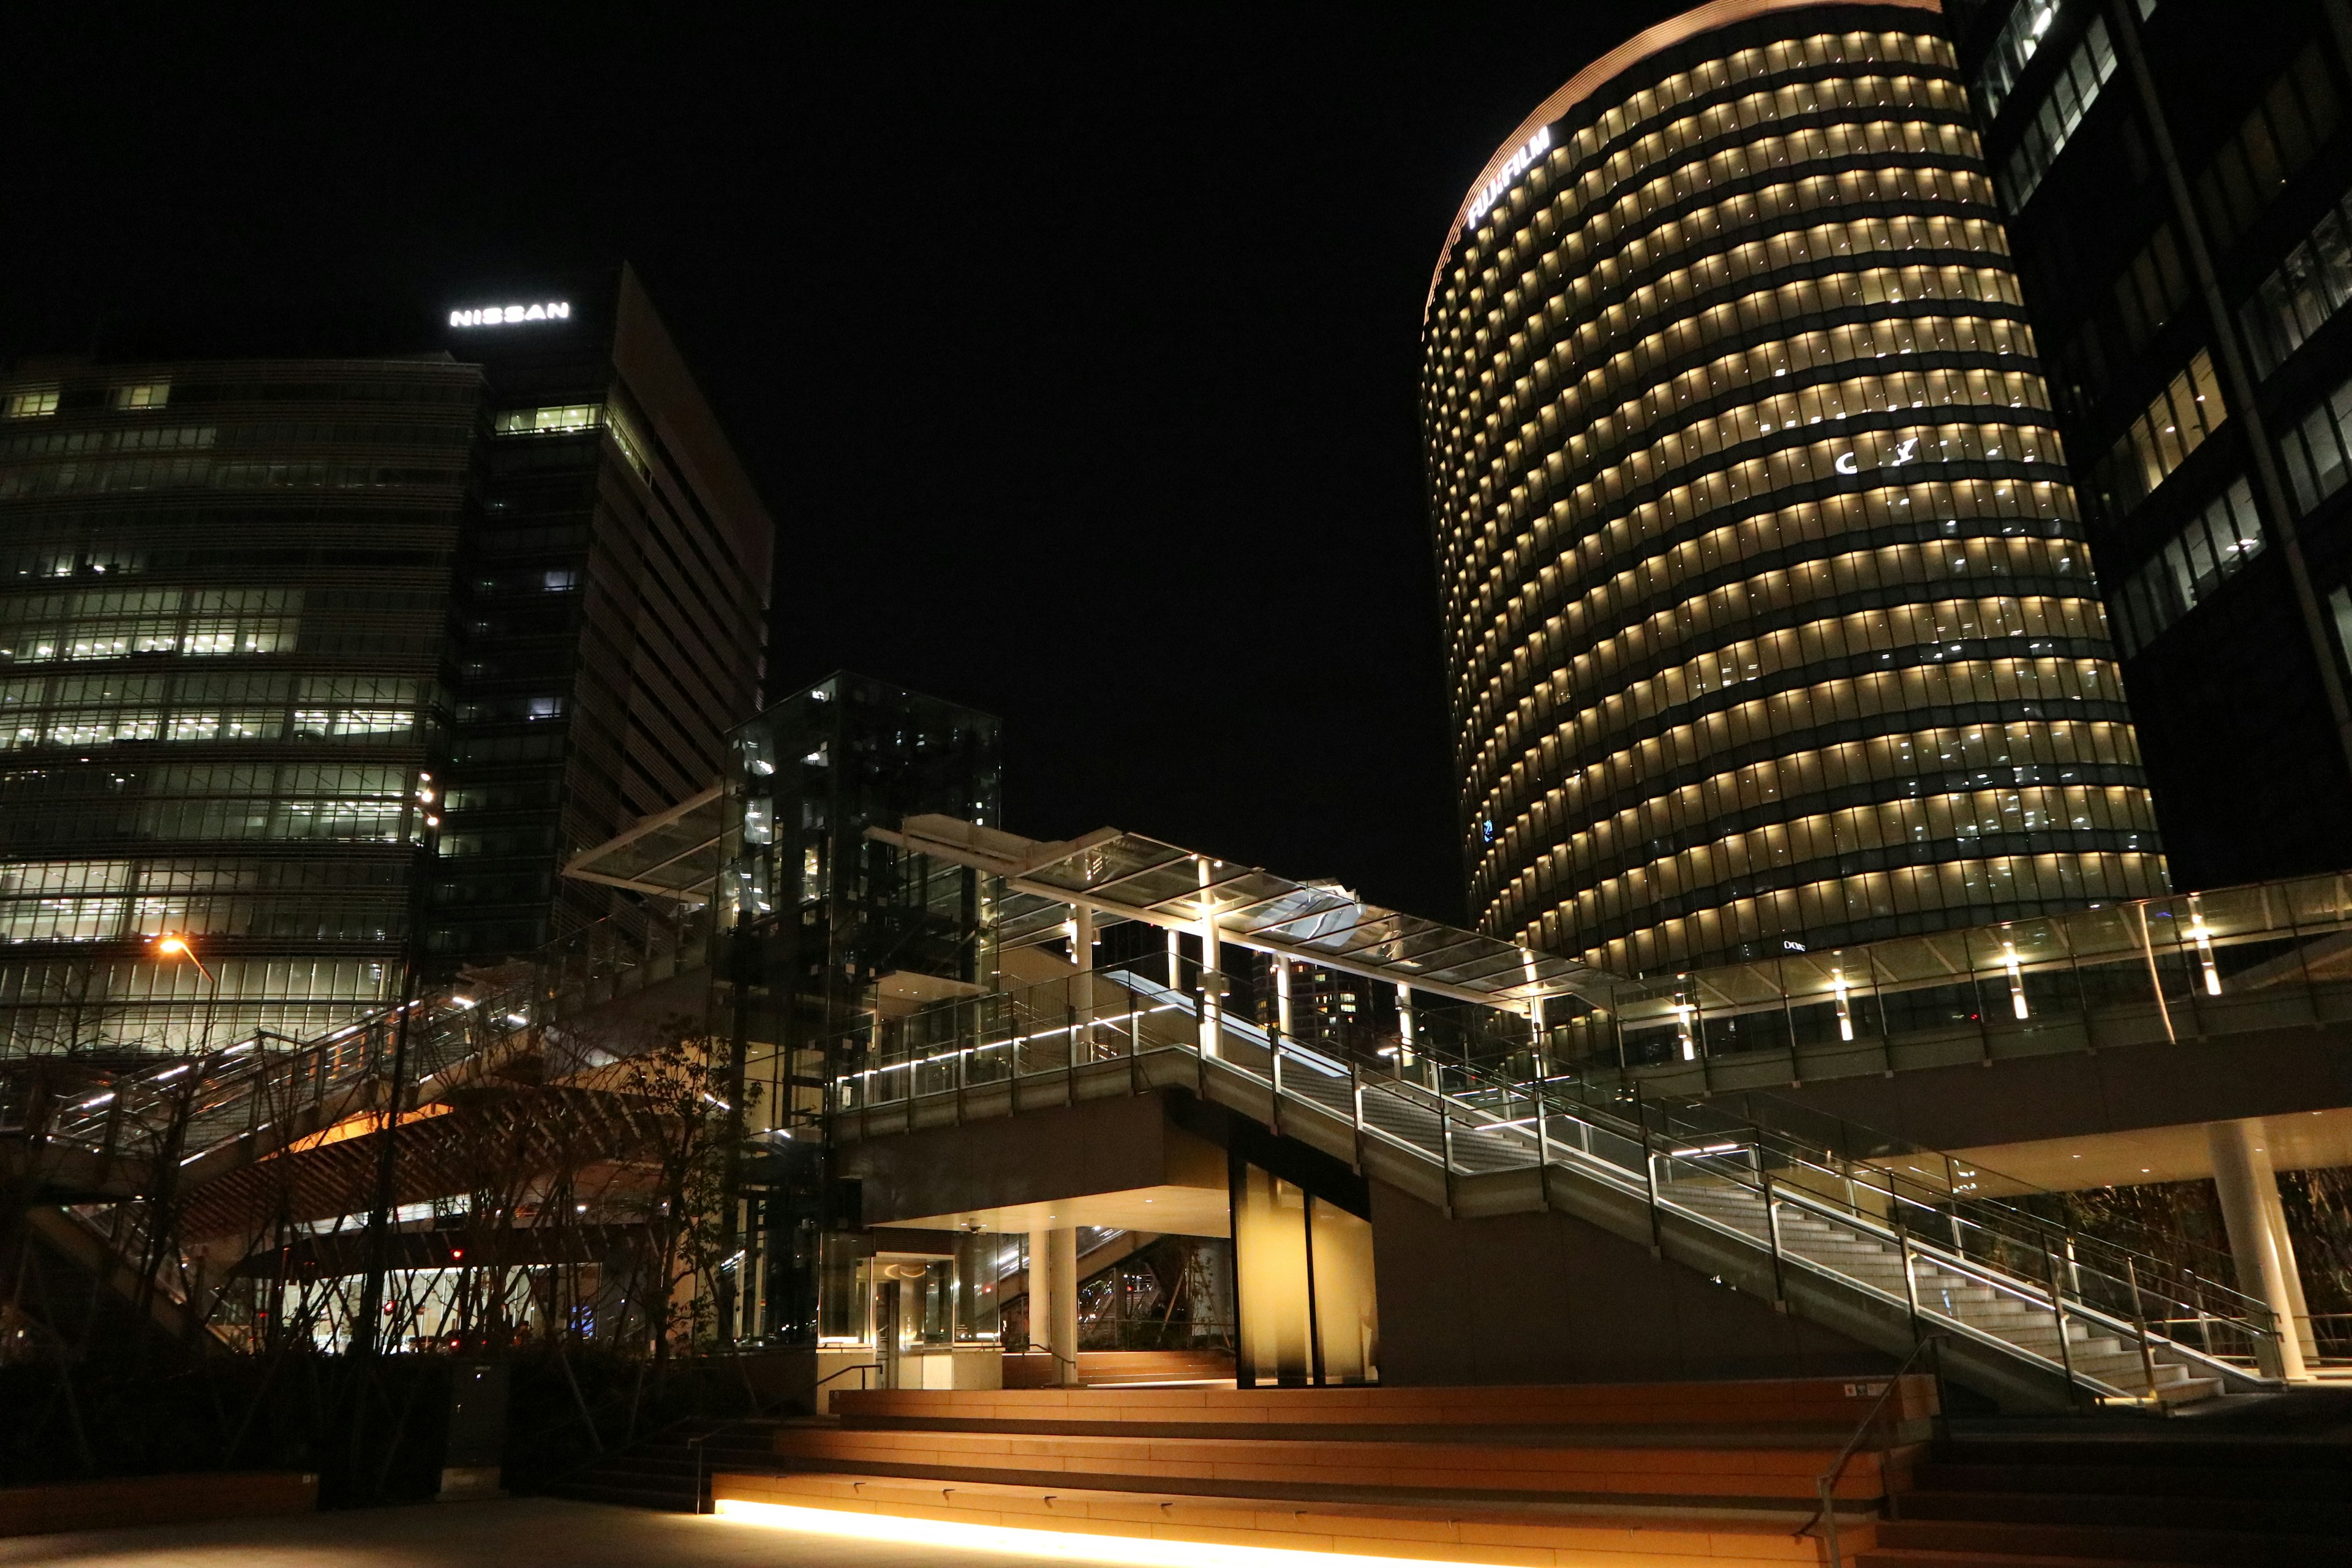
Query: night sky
x=1075, y=354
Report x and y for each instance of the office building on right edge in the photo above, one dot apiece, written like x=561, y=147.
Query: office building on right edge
x=2175, y=179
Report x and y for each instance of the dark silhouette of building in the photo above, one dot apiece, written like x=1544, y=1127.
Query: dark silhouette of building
x=2174, y=178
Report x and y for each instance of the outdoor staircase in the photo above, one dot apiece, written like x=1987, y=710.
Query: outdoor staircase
x=1677, y=1474
x=2162, y=1495
x=1966, y=1298
x=1861, y=1248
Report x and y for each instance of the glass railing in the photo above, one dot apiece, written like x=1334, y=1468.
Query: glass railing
x=2189, y=966
x=1909, y=1230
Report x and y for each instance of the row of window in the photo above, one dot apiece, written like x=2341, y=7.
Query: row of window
x=82, y=727
x=1651, y=603
x=117, y=687
x=1847, y=288
x=125, y=474
x=2310, y=285
x=39, y=402
x=1494, y=331
x=2210, y=549
x=1587, y=191
x=1657, y=807
x=133, y=438
x=1800, y=781
x=2174, y=424
x=2316, y=450
x=1800, y=201
x=54, y=879
x=1595, y=672
x=565, y=419
x=2063, y=104
x=365, y=821
x=1878, y=136
x=1841, y=456
x=1506, y=337
x=1874, y=341
x=1598, y=396
x=1878, y=393
x=236, y=980
x=2278, y=136
x=2013, y=48
x=1945, y=821
x=1801, y=303
x=1677, y=530
x=1945, y=624
x=1714, y=76
x=1681, y=286
x=2058, y=686
x=1580, y=182
x=1851, y=907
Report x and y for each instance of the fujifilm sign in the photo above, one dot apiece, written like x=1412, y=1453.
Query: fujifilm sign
x=507, y=315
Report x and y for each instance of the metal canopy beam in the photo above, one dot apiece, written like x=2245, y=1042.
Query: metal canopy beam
x=1166, y=889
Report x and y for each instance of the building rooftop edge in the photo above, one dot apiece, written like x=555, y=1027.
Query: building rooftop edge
x=1690, y=24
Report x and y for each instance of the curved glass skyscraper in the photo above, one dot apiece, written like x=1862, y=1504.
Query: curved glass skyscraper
x=1769, y=621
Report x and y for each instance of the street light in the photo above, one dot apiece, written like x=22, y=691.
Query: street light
x=173, y=944
x=178, y=946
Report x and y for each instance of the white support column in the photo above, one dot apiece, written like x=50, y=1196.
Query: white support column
x=2248, y=1185
x=1082, y=985
x=1054, y=1299
x=1281, y=994
x=1065, y=1248
x=1404, y=1024
x=1212, y=979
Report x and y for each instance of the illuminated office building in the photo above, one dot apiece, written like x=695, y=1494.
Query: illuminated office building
x=2184, y=233
x=1769, y=621
x=263, y=619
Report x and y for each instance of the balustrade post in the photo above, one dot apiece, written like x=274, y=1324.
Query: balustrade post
x=2058, y=1308
x=1902, y=1244
x=2139, y=1324
x=1772, y=1233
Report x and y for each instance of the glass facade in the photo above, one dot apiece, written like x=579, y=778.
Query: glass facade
x=1769, y=621
x=2185, y=254
x=822, y=925
x=224, y=611
x=304, y=657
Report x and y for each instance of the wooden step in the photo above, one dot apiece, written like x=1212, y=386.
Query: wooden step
x=1262, y=1467
x=1997, y=1543
x=1510, y=1536
x=1772, y=1402
x=2124, y=1480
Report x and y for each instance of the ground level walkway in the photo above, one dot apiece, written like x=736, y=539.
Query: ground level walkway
x=522, y=1532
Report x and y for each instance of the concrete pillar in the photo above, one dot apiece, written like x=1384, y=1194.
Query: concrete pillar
x=1053, y=1298
x=2258, y=1240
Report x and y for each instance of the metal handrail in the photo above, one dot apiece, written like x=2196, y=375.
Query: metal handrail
x=1825, y=1485
x=1463, y=1105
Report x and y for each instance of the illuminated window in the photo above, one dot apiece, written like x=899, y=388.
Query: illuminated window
x=32, y=403
x=141, y=394
x=564, y=420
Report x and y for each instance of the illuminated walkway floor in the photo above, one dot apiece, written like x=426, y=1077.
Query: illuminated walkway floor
x=522, y=1532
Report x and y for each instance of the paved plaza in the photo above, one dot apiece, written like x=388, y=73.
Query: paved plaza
x=516, y=1533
